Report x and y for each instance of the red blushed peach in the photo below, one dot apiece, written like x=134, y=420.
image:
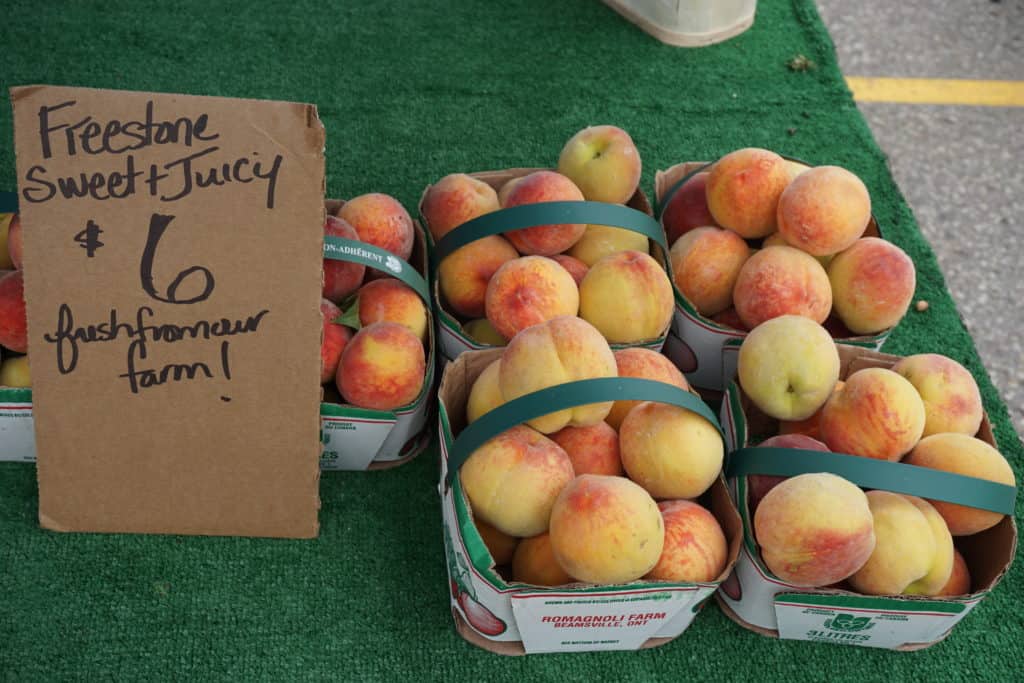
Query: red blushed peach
x=628, y=297
x=382, y=367
x=464, y=274
x=592, y=450
x=505, y=189
x=872, y=285
x=781, y=281
x=14, y=241
x=455, y=199
x=695, y=548
x=643, y=364
x=877, y=414
x=743, y=190
x=13, y=322
x=578, y=269
x=512, y=481
x=382, y=221
x=501, y=546
x=544, y=240
x=688, y=208
x=952, y=401
x=959, y=579
x=705, y=265
x=341, y=278
x=971, y=457
x=527, y=291
x=824, y=210
x=392, y=301
x=730, y=318
x=335, y=338
x=814, y=529
x=758, y=485
x=606, y=530
x=535, y=563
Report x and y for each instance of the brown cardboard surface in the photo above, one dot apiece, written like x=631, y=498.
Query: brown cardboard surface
x=124, y=453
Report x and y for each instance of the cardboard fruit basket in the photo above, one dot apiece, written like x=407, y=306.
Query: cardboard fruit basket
x=514, y=618
x=353, y=438
x=698, y=345
x=688, y=24
x=636, y=215
x=759, y=601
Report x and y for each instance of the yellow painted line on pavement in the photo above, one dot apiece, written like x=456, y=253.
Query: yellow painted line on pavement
x=937, y=91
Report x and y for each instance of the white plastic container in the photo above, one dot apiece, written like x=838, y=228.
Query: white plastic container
x=688, y=23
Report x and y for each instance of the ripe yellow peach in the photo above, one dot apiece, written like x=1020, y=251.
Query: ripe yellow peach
x=628, y=297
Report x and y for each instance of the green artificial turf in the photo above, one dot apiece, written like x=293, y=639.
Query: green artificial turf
x=410, y=91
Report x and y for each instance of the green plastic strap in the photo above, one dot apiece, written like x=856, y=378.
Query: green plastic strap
x=659, y=207
x=569, y=395
x=8, y=202
x=897, y=477
x=549, y=213
x=354, y=251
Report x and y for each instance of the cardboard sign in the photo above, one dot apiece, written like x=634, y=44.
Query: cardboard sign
x=172, y=258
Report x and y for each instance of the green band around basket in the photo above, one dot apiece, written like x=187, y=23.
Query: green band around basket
x=548, y=213
x=570, y=395
x=354, y=251
x=659, y=205
x=870, y=473
x=8, y=202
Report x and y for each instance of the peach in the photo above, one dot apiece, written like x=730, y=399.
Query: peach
x=535, y=563
x=730, y=318
x=959, y=579
x=500, y=545
x=971, y=457
x=335, y=338
x=482, y=331
x=341, y=278
x=527, y=291
x=952, y=401
x=512, y=481
x=14, y=372
x=455, y=199
x=913, y=552
x=561, y=350
x=603, y=162
x=13, y=322
x=599, y=241
x=578, y=269
x=687, y=208
x=705, y=265
x=758, y=485
x=643, y=364
x=14, y=241
x=670, y=451
x=814, y=529
x=394, y=301
x=628, y=297
x=795, y=168
x=781, y=281
x=382, y=221
x=463, y=275
x=505, y=189
x=824, y=210
x=743, y=190
x=5, y=225
x=777, y=240
x=544, y=240
x=809, y=426
x=695, y=548
x=872, y=285
x=485, y=394
x=878, y=414
x=593, y=449
x=382, y=367
x=606, y=530
x=788, y=367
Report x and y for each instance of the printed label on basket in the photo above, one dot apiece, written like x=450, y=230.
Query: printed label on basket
x=351, y=441
x=578, y=622
x=17, y=435
x=864, y=620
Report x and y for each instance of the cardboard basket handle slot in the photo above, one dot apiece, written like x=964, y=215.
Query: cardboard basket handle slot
x=564, y=396
x=548, y=213
x=354, y=251
x=876, y=474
